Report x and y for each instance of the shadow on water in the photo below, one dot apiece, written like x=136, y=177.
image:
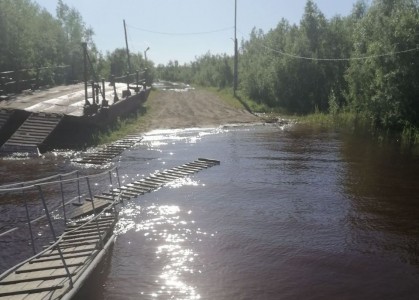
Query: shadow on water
x=381, y=182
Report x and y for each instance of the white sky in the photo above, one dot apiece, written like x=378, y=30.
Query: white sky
x=172, y=23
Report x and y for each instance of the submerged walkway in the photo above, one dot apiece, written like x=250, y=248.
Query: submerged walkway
x=59, y=271
x=105, y=153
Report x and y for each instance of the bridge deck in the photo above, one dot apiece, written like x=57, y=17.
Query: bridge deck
x=66, y=100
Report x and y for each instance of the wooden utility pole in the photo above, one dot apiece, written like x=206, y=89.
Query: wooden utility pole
x=126, y=43
x=235, y=79
x=84, y=45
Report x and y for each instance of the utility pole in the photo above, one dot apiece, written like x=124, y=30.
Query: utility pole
x=235, y=79
x=84, y=45
x=126, y=43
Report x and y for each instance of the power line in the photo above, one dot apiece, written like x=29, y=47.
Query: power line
x=339, y=59
x=181, y=33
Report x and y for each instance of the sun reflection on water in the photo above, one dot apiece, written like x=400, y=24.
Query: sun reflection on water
x=165, y=225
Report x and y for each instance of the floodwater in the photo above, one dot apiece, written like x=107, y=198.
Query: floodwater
x=290, y=213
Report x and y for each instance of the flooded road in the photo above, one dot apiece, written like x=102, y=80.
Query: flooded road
x=291, y=213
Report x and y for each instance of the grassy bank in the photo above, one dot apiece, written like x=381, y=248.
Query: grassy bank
x=240, y=101
x=408, y=136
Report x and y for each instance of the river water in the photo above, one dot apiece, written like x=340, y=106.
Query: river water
x=291, y=212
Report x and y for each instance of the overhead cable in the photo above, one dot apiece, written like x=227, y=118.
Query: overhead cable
x=181, y=33
x=339, y=59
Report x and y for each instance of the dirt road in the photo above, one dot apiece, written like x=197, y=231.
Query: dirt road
x=192, y=108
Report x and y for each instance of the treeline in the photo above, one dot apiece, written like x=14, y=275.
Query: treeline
x=207, y=70
x=366, y=63
x=36, y=43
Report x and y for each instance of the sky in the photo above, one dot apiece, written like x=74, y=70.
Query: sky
x=183, y=30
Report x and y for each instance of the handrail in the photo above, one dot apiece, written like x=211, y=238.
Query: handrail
x=41, y=217
x=35, y=69
x=16, y=81
x=54, y=182
x=127, y=75
x=36, y=180
x=7, y=272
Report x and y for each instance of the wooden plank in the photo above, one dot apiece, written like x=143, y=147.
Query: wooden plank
x=117, y=194
x=197, y=165
x=19, y=289
x=76, y=239
x=133, y=189
x=140, y=188
x=58, y=257
x=55, y=293
x=101, y=219
x=126, y=192
x=38, y=275
x=40, y=278
x=168, y=175
x=87, y=208
x=47, y=266
x=105, y=197
x=147, y=184
x=183, y=171
x=155, y=180
x=216, y=162
x=161, y=181
x=91, y=230
x=85, y=243
x=93, y=225
x=77, y=249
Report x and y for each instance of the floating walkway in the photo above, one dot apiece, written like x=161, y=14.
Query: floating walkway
x=106, y=153
x=59, y=271
x=148, y=184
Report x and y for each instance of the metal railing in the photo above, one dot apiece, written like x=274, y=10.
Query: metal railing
x=35, y=181
x=37, y=185
x=16, y=81
x=56, y=245
x=134, y=81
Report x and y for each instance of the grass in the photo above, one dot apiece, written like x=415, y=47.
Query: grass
x=407, y=137
x=240, y=102
x=342, y=119
x=226, y=95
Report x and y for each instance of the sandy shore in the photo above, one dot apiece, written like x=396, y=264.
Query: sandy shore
x=192, y=108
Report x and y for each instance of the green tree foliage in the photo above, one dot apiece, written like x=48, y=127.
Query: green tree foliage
x=206, y=70
x=366, y=62
x=73, y=32
x=385, y=87
x=116, y=64
x=33, y=40
x=285, y=68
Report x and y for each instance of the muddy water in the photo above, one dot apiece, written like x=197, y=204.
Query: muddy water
x=291, y=213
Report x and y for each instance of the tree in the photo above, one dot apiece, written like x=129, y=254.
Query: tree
x=384, y=86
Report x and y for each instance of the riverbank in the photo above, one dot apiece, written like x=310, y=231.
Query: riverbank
x=181, y=109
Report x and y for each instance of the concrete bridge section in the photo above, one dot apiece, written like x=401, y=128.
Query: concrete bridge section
x=27, y=120
x=32, y=133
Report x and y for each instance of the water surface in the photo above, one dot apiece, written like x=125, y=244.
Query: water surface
x=291, y=213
